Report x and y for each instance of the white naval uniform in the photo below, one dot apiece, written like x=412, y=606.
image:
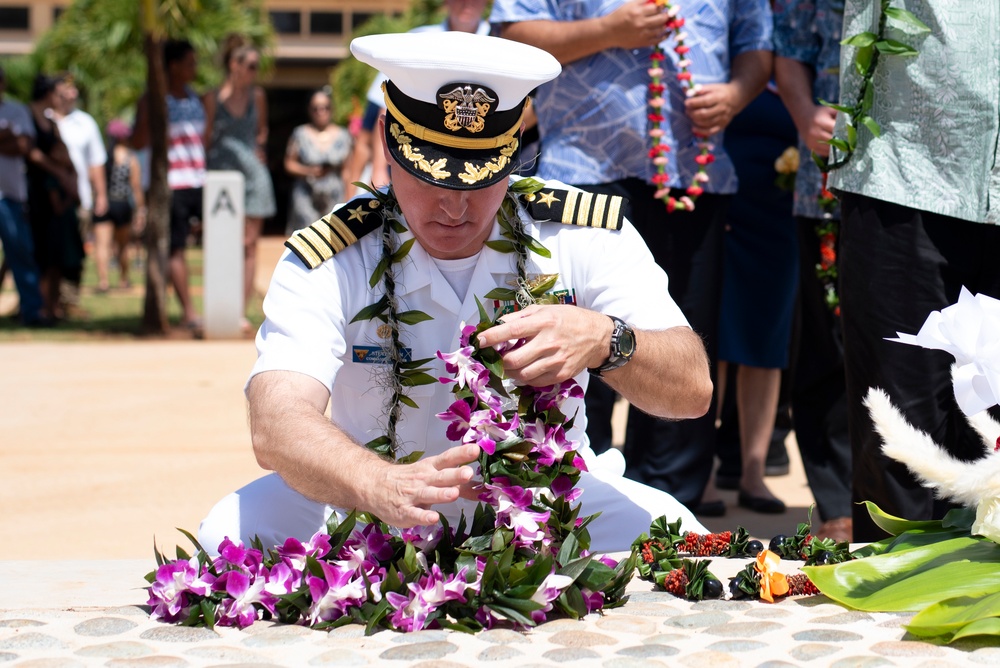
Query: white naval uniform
x=308, y=330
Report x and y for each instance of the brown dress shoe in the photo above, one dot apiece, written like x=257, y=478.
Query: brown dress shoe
x=840, y=529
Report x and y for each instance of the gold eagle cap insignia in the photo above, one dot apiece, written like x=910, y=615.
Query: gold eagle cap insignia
x=466, y=108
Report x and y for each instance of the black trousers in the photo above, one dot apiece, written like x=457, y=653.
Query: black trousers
x=674, y=456
x=819, y=393
x=896, y=266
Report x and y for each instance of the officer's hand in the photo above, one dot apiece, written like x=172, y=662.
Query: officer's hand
x=560, y=341
x=712, y=108
x=636, y=24
x=404, y=493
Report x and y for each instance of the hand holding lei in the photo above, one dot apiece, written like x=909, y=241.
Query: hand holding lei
x=658, y=149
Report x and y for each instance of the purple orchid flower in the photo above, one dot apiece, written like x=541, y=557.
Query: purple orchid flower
x=339, y=589
x=551, y=444
x=548, y=591
x=554, y=396
x=243, y=589
x=427, y=594
x=467, y=372
x=236, y=555
x=171, y=592
x=563, y=486
x=294, y=551
x=283, y=579
x=423, y=537
x=513, y=506
x=594, y=600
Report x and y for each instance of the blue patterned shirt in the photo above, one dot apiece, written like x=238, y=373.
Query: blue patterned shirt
x=809, y=31
x=593, y=117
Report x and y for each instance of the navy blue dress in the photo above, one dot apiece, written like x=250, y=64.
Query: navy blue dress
x=760, y=266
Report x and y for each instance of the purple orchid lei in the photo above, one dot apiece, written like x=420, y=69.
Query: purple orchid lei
x=522, y=559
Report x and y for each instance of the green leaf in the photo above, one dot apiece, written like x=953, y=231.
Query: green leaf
x=410, y=458
x=411, y=379
x=838, y=107
x=907, y=18
x=839, y=143
x=545, y=286
x=891, y=47
x=501, y=245
x=405, y=400
x=380, y=268
x=575, y=568
x=863, y=59
x=536, y=247
x=868, y=99
x=956, y=614
x=412, y=317
x=403, y=250
x=512, y=614
x=503, y=294
x=910, y=580
x=861, y=39
x=527, y=185
x=872, y=125
x=208, y=612
x=852, y=137
x=369, y=312
x=376, y=615
x=569, y=550
x=897, y=525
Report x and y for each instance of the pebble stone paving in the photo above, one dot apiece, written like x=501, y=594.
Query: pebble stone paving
x=653, y=629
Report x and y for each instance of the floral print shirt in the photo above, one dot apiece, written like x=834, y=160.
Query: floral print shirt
x=939, y=111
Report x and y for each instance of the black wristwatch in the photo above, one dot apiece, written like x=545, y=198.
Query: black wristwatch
x=622, y=347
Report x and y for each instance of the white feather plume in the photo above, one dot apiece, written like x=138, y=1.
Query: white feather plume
x=966, y=483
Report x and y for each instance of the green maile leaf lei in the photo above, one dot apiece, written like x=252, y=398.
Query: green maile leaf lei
x=403, y=374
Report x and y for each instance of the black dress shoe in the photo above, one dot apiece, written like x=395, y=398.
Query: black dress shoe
x=760, y=504
x=710, y=508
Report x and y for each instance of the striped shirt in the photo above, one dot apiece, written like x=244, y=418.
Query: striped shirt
x=185, y=147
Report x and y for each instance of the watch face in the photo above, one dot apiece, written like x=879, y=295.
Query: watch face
x=626, y=343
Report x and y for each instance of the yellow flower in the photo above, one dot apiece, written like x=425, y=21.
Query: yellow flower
x=772, y=583
x=788, y=161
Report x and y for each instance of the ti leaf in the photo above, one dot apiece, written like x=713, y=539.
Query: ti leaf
x=907, y=18
x=412, y=317
x=501, y=245
x=872, y=125
x=372, y=310
x=954, y=615
x=838, y=107
x=861, y=39
x=891, y=47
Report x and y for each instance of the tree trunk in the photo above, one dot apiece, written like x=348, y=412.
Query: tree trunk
x=157, y=237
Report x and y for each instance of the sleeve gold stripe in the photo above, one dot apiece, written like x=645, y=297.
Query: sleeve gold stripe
x=571, y=197
x=597, y=216
x=583, y=215
x=304, y=251
x=341, y=229
x=614, y=220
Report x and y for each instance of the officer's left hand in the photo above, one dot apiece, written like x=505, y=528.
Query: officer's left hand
x=560, y=342
x=712, y=108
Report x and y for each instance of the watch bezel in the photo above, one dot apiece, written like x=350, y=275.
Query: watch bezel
x=617, y=357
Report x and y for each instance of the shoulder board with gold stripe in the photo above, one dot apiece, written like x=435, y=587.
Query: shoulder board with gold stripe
x=336, y=231
x=575, y=207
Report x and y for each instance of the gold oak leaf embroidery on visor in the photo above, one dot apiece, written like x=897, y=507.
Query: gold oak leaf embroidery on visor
x=473, y=174
x=404, y=143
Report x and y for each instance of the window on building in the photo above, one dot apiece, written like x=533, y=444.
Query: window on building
x=14, y=18
x=358, y=19
x=286, y=23
x=326, y=23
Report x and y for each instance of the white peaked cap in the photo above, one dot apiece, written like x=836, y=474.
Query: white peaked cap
x=419, y=64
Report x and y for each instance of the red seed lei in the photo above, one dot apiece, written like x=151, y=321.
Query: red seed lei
x=658, y=149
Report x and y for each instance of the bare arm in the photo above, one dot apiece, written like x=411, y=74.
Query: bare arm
x=814, y=121
x=14, y=145
x=294, y=166
x=292, y=437
x=138, y=196
x=715, y=105
x=667, y=377
x=99, y=185
x=634, y=25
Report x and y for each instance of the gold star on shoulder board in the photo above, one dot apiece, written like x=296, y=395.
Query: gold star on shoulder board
x=548, y=198
x=358, y=214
